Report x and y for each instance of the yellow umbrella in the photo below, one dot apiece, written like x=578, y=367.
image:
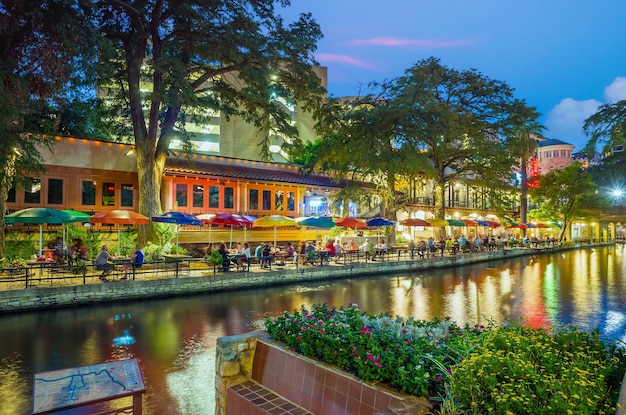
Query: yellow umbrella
x=438, y=223
x=275, y=221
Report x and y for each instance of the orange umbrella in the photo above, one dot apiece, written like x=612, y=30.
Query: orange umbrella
x=414, y=222
x=119, y=217
x=350, y=222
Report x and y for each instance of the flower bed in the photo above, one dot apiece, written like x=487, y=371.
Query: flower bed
x=471, y=369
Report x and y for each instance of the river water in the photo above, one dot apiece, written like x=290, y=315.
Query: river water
x=175, y=338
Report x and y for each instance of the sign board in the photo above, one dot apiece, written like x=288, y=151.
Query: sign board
x=79, y=386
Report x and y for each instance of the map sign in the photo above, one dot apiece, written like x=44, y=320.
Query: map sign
x=84, y=385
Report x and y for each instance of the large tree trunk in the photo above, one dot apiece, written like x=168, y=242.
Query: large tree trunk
x=150, y=175
x=440, y=210
x=390, y=205
x=4, y=194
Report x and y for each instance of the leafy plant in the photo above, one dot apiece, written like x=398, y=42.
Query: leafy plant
x=214, y=258
x=79, y=266
x=473, y=370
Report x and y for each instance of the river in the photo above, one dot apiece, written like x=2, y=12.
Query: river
x=174, y=339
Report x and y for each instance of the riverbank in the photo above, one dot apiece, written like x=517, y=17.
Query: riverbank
x=46, y=297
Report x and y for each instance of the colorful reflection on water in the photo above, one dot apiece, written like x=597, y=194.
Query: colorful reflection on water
x=175, y=339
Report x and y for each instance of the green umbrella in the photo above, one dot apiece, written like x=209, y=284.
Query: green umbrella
x=39, y=216
x=78, y=216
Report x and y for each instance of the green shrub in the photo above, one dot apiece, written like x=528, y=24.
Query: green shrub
x=476, y=370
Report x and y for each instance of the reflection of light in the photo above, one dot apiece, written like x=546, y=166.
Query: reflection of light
x=614, y=322
x=125, y=340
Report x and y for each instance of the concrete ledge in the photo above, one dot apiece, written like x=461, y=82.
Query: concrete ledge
x=39, y=297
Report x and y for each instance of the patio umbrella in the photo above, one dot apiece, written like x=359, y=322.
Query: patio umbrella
x=119, y=217
x=275, y=221
x=177, y=218
x=438, y=223
x=414, y=222
x=39, y=216
x=315, y=222
x=78, y=217
x=454, y=222
x=469, y=222
x=229, y=219
x=379, y=222
x=206, y=220
x=350, y=222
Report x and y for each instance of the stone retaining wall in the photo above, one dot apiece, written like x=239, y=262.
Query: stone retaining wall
x=40, y=297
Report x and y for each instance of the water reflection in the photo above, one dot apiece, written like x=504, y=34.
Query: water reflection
x=174, y=339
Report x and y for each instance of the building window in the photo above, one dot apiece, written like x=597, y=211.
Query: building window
x=291, y=201
x=548, y=154
x=198, y=196
x=267, y=200
x=11, y=196
x=253, y=202
x=32, y=190
x=229, y=197
x=214, y=197
x=108, y=194
x=55, y=191
x=181, y=194
x=279, y=200
x=89, y=193
x=128, y=195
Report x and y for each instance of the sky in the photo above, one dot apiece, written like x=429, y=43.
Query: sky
x=564, y=57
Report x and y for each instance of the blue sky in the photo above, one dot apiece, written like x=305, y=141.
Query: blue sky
x=564, y=57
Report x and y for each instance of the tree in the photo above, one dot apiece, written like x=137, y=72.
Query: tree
x=606, y=128
x=198, y=55
x=453, y=119
x=520, y=143
x=358, y=142
x=565, y=195
x=41, y=56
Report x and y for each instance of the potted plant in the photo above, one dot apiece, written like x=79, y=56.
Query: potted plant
x=214, y=258
x=79, y=266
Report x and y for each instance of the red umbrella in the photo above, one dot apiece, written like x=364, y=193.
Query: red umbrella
x=119, y=217
x=229, y=219
x=350, y=222
x=414, y=222
x=469, y=222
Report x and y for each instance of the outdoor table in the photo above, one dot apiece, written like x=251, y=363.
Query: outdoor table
x=177, y=259
x=123, y=262
x=47, y=265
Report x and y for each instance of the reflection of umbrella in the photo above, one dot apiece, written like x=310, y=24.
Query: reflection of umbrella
x=177, y=218
x=39, y=216
x=378, y=222
x=350, y=222
x=275, y=221
x=414, y=222
x=119, y=217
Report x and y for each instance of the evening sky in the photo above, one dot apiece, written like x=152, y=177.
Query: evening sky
x=565, y=57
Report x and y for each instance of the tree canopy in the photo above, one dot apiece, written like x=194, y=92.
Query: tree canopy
x=565, y=195
x=169, y=63
x=606, y=128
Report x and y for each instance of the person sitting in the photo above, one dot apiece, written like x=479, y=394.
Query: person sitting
x=309, y=253
x=338, y=249
x=102, y=262
x=380, y=251
x=244, y=258
x=422, y=250
x=137, y=260
x=266, y=256
x=225, y=257
x=60, y=250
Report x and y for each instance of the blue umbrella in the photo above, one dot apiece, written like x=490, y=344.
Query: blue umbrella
x=177, y=218
x=377, y=222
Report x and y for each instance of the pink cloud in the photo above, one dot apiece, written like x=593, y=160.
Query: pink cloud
x=344, y=59
x=420, y=43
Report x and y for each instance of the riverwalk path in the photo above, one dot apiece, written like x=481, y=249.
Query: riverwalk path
x=41, y=287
